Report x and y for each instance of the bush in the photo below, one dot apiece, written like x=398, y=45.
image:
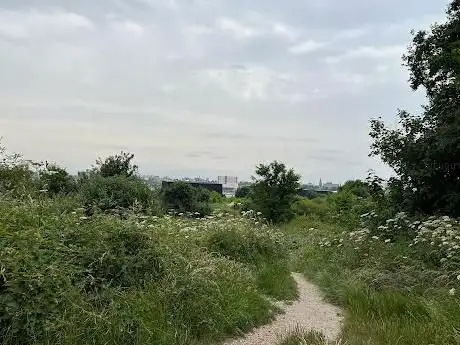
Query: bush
x=69, y=279
x=243, y=192
x=182, y=197
x=56, y=180
x=307, y=207
x=118, y=193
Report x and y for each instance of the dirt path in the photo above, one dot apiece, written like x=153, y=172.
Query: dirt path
x=309, y=312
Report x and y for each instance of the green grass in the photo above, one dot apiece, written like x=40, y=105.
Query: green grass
x=389, y=294
x=66, y=278
x=299, y=337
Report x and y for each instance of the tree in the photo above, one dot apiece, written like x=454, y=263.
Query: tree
x=183, y=197
x=117, y=165
x=56, y=180
x=243, y=192
x=118, y=193
x=424, y=150
x=274, y=191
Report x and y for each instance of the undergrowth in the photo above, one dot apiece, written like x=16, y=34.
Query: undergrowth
x=70, y=278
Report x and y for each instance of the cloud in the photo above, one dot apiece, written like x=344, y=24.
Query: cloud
x=242, y=81
x=285, y=31
x=307, y=47
x=129, y=27
x=236, y=29
x=368, y=52
x=25, y=24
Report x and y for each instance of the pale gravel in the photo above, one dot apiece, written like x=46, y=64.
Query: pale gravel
x=309, y=312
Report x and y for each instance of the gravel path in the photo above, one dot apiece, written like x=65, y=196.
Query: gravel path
x=309, y=312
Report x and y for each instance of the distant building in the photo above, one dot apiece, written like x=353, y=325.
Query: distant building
x=229, y=185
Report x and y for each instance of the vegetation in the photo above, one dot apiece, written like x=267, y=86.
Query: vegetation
x=390, y=256
x=274, y=191
x=425, y=150
x=182, y=197
x=99, y=258
x=243, y=192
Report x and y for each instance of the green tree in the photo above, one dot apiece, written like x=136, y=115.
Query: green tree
x=118, y=193
x=183, y=197
x=117, y=165
x=56, y=180
x=274, y=191
x=243, y=192
x=424, y=150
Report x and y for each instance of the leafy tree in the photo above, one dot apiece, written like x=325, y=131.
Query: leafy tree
x=243, y=192
x=16, y=175
x=274, y=191
x=118, y=193
x=117, y=165
x=183, y=197
x=424, y=150
x=356, y=187
x=56, y=180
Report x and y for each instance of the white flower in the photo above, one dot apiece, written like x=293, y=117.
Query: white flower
x=375, y=237
x=452, y=291
x=387, y=240
x=458, y=277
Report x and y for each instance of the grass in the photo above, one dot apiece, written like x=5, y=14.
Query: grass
x=391, y=293
x=66, y=278
x=299, y=337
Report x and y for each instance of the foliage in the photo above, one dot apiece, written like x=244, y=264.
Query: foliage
x=299, y=337
x=117, y=165
x=56, y=180
x=16, y=175
x=274, y=191
x=182, y=197
x=243, y=192
x=357, y=187
x=397, y=278
x=118, y=193
x=66, y=278
x=314, y=207
x=425, y=150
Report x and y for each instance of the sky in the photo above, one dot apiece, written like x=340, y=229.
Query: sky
x=206, y=87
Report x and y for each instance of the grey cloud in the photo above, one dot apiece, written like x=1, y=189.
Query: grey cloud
x=205, y=86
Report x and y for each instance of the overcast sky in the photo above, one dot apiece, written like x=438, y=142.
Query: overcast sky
x=206, y=87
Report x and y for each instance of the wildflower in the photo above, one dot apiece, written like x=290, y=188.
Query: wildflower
x=452, y=291
x=259, y=213
x=375, y=237
x=387, y=240
x=458, y=277
x=83, y=218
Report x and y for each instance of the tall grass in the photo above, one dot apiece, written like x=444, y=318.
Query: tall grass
x=394, y=287
x=66, y=278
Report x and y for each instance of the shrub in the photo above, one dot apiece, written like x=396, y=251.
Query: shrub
x=69, y=279
x=307, y=207
x=182, y=197
x=243, y=192
x=117, y=165
x=56, y=180
x=118, y=192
